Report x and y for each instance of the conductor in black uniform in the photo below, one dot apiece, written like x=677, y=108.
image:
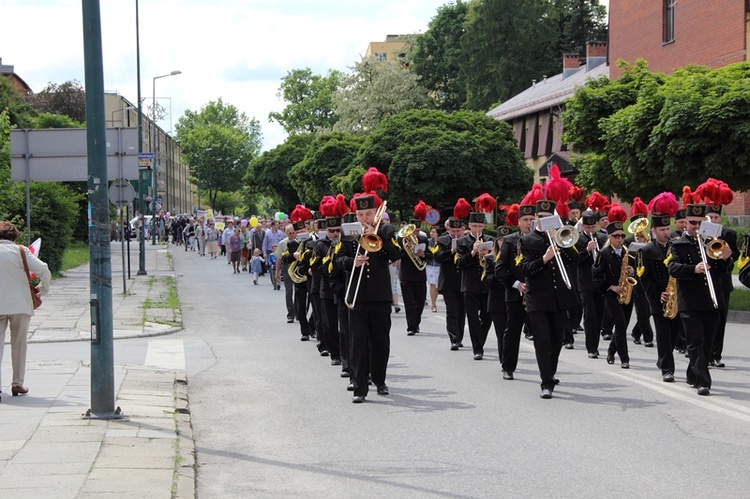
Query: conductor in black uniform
x=449, y=281
x=548, y=299
x=370, y=313
x=695, y=305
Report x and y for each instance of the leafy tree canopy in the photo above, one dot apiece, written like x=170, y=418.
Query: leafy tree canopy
x=309, y=97
x=680, y=130
x=375, y=90
x=67, y=99
x=437, y=54
x=218, y=142
x=327, y=156
x=19, y=112
x=439, y=157
x=268, y=173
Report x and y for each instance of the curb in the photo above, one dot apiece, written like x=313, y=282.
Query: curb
x=171, y=330
x=738, y=316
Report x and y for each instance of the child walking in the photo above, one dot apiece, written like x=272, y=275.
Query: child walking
x=272, y=267
x=256, y=264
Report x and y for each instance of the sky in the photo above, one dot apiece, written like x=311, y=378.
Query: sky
x=237, y=50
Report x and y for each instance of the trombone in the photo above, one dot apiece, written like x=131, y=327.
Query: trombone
x=371, y=243
x=565, y=237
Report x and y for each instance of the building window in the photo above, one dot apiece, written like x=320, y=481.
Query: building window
x=668, y=21
x=381, y=57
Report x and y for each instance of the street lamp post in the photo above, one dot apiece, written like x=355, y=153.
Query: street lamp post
x=141, y=171
x=154, y=194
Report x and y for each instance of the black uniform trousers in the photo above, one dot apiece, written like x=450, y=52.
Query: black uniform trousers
x=721, y=326
x=593, y=306
x=479, y=320
x=500, y=321
x=515, y=313
x=414, y=294
x=620, y=315
x=370, y=324
x=455, y=315
x=300, y=305
x=548, y=330
x=345, y=337
x=642, y=326
x=291, y=310
x=667, y=333
x=317, y=320
x=699, y=326
x=330, y=319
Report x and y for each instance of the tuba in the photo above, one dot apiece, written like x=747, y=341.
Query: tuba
x=410, y=233
x=295, y=273
x=626, y=282
x=639, y=227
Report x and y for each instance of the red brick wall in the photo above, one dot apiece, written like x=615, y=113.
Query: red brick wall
x=740, y=205
x=710, y=33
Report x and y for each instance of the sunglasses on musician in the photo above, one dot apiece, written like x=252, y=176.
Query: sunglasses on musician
x=619, y=236
x=695, y=222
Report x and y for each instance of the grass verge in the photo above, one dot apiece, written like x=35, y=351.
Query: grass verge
x=75, y=255
x=167, y=300
x=739, y=299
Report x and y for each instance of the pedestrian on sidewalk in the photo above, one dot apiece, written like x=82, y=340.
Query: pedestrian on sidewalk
x=235, y=251
x=256, y=264
x=212, y=240
x=16, y=306
x=272, y=267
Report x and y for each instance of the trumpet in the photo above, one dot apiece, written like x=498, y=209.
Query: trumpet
x=410, y=233
x=371, y=243
x=639, y=227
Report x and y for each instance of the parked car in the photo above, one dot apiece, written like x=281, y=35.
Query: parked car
x=134, y=225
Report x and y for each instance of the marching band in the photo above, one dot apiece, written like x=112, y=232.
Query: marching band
x=558, y=261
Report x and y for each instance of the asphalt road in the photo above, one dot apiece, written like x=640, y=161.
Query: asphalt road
x=271, y=418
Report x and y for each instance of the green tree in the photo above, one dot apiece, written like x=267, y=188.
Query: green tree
x=439, y=157
x=268, y=173
x=48, y=120
x=67, y=99
x=578, y=22
x=374, y=91
x=680, y=129
x=19, y=111
x=218, y=142
x=507, y=44
x=327, y=156
x=437, y=54
x=309, y=97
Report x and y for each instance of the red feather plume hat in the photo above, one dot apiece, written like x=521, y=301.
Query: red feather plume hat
x=462, y=209
x=638, y=209
x=420, y=210
x=511, y=214
x=616, y=213
x=485, y=203
x=300, y=213
x=664, y=204
x=373, y=180
x=558, y=187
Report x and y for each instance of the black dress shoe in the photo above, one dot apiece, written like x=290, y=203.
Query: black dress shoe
x=667, y=377
x=625, y=365
x=637, y=341
x=344, y=374
x=350, y=388
x=289, y=321
x=454, y=346
x=358, y=399
x=557, y=381
x=382, y=390
x=568, y=346
x=649, y=344
x=610, y=359
x=478, y=356
x=507, y=375
x=305, y=338
x=335, y=362
x=718, y=363
x=606, y=336
x=703, y=390
x=593, y=355
x=324, y=353
x=546, y=393
x=410, y=333
x=460, y=344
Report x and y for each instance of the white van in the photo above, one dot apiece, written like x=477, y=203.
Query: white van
x=134, y=224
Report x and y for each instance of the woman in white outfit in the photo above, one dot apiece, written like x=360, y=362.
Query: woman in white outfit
x=16, y=306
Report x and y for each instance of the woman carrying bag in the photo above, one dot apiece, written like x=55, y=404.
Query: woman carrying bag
x=17, y=305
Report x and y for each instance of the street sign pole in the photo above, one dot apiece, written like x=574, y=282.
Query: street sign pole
x=102, y=354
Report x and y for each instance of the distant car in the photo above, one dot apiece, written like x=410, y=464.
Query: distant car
x=134, y=224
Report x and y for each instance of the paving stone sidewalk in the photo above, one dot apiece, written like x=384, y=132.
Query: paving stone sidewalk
x=47, y=448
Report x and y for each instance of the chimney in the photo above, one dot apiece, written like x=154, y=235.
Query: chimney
x=596, y=54
x=571, y=63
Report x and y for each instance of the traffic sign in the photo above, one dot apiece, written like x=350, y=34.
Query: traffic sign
x=121, y=193
x=432, y=217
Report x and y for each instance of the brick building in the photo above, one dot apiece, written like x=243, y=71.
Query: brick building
x=673, y=33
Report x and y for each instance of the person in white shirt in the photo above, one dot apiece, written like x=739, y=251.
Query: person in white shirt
x=16, y=306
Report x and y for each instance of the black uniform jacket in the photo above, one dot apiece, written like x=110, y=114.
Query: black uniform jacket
x=506, y=269
x=586, y=261
x=450, y=275
x=692, y=289
x=606, y=269
x=654, y=276
x=376, y=281
x=546, y=290
x=409, y=272
x=470, y=269
x=320, y=264
x=496, y=298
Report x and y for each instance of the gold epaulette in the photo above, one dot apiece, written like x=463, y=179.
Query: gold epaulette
x=742, y=261
x=667, y=260
x=641, y=270
x=338, y=247
x=395, y=243
x=313, y=260
x=518, y=259
x=285, y=253
x=455, y=259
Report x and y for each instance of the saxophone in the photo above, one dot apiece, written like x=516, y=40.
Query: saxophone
x=670, y=306
x=626, y=282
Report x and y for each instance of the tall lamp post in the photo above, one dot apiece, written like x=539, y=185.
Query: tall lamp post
x=153, y=149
